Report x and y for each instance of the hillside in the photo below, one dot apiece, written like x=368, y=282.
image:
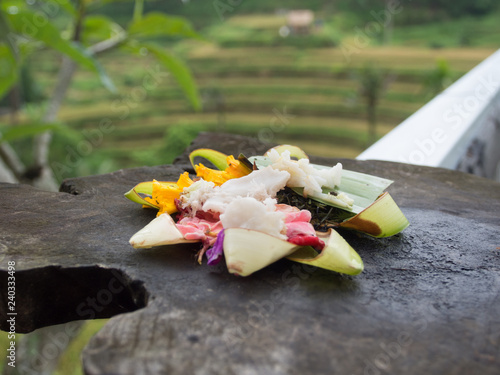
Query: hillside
x=300, y=90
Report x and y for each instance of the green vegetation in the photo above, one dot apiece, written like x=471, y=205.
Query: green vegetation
x=206, y=13
x=71, y=356
x=247, y=75
x=372, y=85
x=301, y=89
x=68, y=363
x=246, y=90
x=79, y=37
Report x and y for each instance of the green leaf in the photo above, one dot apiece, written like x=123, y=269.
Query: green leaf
x=12, y=5
x=10, y=133
x=64, y=4
x=363, y=188
x=381, y=219
x=159, y=24
x=144, y=188
x=25, y=23
x=337, y=255
x=8, y=69
x=331, y=201
x=98, y=68
x=218, y=159
x=178, y=69
x=104, y=2
x=295, y=152
x=376, y=212
x=97, y=27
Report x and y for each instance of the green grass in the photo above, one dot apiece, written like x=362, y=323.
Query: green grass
x=70, y=361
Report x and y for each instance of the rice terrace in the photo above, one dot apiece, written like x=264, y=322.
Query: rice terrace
x=308, y=96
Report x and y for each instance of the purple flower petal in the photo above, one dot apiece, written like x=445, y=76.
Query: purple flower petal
x=214, y=254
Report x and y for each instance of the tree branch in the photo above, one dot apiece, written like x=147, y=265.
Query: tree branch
x=107, y=44
x=46, y=179
x=42, y=142
x=11, y=160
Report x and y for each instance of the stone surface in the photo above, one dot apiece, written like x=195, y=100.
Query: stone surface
x=427, y=302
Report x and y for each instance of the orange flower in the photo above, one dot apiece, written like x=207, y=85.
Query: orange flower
x=234, y=170
x=164, y=196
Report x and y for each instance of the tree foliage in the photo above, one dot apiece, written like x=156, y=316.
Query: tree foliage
x=438, y=79
x=79, y=32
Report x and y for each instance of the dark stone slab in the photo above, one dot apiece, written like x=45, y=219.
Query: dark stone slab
x=427, y=302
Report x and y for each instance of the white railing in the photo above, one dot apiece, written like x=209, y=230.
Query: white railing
x=458, y=129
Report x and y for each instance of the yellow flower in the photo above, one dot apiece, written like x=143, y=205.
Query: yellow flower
x=234, y=170
x=164, y=196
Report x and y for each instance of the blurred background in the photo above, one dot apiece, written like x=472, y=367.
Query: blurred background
x=89, y=87
x=328, y=76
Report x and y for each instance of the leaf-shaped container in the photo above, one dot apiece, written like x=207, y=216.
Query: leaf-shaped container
x=160, y=231
x=246, y=251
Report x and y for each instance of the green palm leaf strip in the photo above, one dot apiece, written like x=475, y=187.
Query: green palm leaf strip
x=144, y=188
x=376, y=212
x=218, y=159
